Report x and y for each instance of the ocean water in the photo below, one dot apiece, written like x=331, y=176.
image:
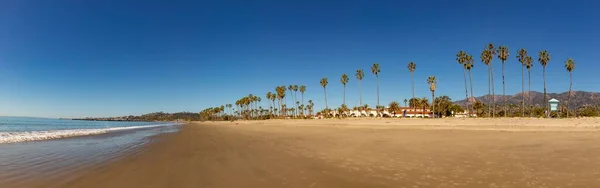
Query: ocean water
x=17, y=129
x=39, y=148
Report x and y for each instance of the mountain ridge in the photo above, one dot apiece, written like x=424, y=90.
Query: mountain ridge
x=578, y=98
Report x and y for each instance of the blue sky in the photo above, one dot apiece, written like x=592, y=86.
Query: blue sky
x=109, y=58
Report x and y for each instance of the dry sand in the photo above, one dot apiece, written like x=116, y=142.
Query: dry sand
x=361, y=153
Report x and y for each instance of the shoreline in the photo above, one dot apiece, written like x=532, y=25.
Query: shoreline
x=355, y=153
x=58, y=160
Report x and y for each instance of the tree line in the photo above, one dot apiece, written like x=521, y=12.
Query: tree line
x=249, y=107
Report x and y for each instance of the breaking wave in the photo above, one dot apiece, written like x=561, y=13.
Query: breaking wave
x=13, y=137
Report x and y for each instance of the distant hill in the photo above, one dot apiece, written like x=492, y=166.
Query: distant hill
x=578, y=98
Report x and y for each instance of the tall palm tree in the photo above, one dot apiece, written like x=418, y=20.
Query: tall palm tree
x=569, y=65
x=503, y=54
x=461, y=59
x=528, y=65
x=324, y=85
x=544, y=58
x=486, y=58
x=344, y=80
x=412, y=66
x=522, y=58
x=468, y=66
x=405, y=101
x=295, y=88
x=269, y=98
x=492, y=50
x=249, y=103
x=375, y=70
x=281, y=95
x=360, y=74
x=310, y=107
x=296, y=95
x=432, y=81
x=291, y=89
x=302, y=90
x=257, y=100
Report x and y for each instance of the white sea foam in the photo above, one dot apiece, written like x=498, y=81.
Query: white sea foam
x=13, y=137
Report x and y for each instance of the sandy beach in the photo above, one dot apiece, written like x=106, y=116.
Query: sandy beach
x=358, y=153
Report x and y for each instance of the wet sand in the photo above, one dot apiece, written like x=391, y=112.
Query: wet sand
x=360, y=153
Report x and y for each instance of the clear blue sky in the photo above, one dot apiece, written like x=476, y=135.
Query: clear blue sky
x=108, y=58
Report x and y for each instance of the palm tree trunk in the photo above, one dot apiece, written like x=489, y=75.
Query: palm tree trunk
x=413, y=84
x=471, y=82
x=377, y=77
x=493, y=92
x=489, y=92
x=296, y=104
x=433, y=104
x=360, y=91
x=302, y=95
x=325, y=93
x=504, y=91
x=466, y=92
x=344, y=94
x=529, y=93
x=281, y=113
x=523, y=90
x=545, y=100
x=570, y=87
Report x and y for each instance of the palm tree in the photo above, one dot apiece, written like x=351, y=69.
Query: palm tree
x=257, y=100
x=522, y=58
x=503, y=54
x=344, y=80
x=569, y=65
x=405, y=101
x=290, y=89
x=375, y=70
x=269, y=98
x=411, y=68
x=295, y=88
x=394, y=107
x=360, y=74
x=544, y=58
x=486, y=58
x=281, y=95
x=492, y=51
x=324, y=85
x=468, y=66
x=528, y=65
x=424, y=104
x=461, y=59
x=302, y=90
x=414, y=102
x=432, y=81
